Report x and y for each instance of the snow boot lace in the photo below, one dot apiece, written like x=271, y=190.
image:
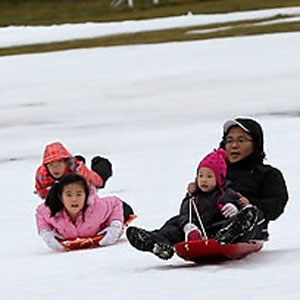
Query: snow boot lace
x=243, y=222
x=141, y=240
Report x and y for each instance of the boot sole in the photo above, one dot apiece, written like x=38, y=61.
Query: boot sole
x=238, y=227
x=139, y=239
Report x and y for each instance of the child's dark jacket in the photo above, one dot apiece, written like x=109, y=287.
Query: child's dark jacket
x=209, y=206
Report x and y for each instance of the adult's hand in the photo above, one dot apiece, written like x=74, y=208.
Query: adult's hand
x=243, y=200
x=192, y=188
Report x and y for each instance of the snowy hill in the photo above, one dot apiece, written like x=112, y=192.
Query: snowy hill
x=154, y=113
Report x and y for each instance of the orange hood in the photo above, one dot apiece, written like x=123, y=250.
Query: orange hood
x=55, y=151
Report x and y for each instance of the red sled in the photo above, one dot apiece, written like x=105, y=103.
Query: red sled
x=81, y=243
x=209, y=250
x=90, y=242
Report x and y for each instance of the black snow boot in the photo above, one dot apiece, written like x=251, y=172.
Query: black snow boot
x=141, y=240
x=241, y=223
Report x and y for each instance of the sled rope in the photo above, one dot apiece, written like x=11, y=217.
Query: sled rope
x=190, y=218
x=198, y=216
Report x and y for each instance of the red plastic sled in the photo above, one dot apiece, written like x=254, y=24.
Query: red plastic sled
x=81, y=243
x=209, y=250
x=91, y=242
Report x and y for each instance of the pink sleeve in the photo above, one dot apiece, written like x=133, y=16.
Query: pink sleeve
x=117, y=213
x=114, y=209
x=42, y=214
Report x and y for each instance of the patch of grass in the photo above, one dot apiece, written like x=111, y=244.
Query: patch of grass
x=48, y=12
x=240, y=28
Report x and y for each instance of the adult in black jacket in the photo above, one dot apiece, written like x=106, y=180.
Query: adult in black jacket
x=259, y=185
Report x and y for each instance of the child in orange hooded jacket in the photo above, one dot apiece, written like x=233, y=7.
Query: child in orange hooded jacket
x=58, y=161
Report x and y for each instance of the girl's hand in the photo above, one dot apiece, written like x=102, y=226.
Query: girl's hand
x=229, y=210
x=112, y=233
x=49, y=238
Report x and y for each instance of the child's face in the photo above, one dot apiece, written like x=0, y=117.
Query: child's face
x=73, y=198
x=57, y=168
x=206, y=179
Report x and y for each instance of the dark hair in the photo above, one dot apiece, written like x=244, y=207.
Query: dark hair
x=54, y=198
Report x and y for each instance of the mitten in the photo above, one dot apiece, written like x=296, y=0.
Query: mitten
x=49, y=238
x=112, y=233
x=192, y=232
x=103, y=167
x=229, y=210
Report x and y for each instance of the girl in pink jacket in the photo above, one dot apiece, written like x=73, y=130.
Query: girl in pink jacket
x=73, y=210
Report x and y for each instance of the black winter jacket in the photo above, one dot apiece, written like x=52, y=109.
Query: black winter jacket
x=207, y=206
x=263, y=185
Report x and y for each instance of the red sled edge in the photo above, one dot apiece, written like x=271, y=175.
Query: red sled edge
x=209, y=250
x=90, y=242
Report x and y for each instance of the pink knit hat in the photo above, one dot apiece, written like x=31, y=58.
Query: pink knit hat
x=216, y=162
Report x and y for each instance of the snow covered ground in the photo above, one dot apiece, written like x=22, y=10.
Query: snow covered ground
x=154, y=112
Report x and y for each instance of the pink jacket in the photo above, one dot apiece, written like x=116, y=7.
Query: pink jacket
x=99, y=214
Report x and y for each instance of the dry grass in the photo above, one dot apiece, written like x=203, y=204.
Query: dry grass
x=233, y=29
x=47, y=12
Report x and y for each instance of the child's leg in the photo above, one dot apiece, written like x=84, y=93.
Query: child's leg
x=171, y=232
x=142, y=240
x=103, y=167
x=128, y=211
x=158, y=242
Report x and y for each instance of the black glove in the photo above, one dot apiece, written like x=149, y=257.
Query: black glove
x=102, y=166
